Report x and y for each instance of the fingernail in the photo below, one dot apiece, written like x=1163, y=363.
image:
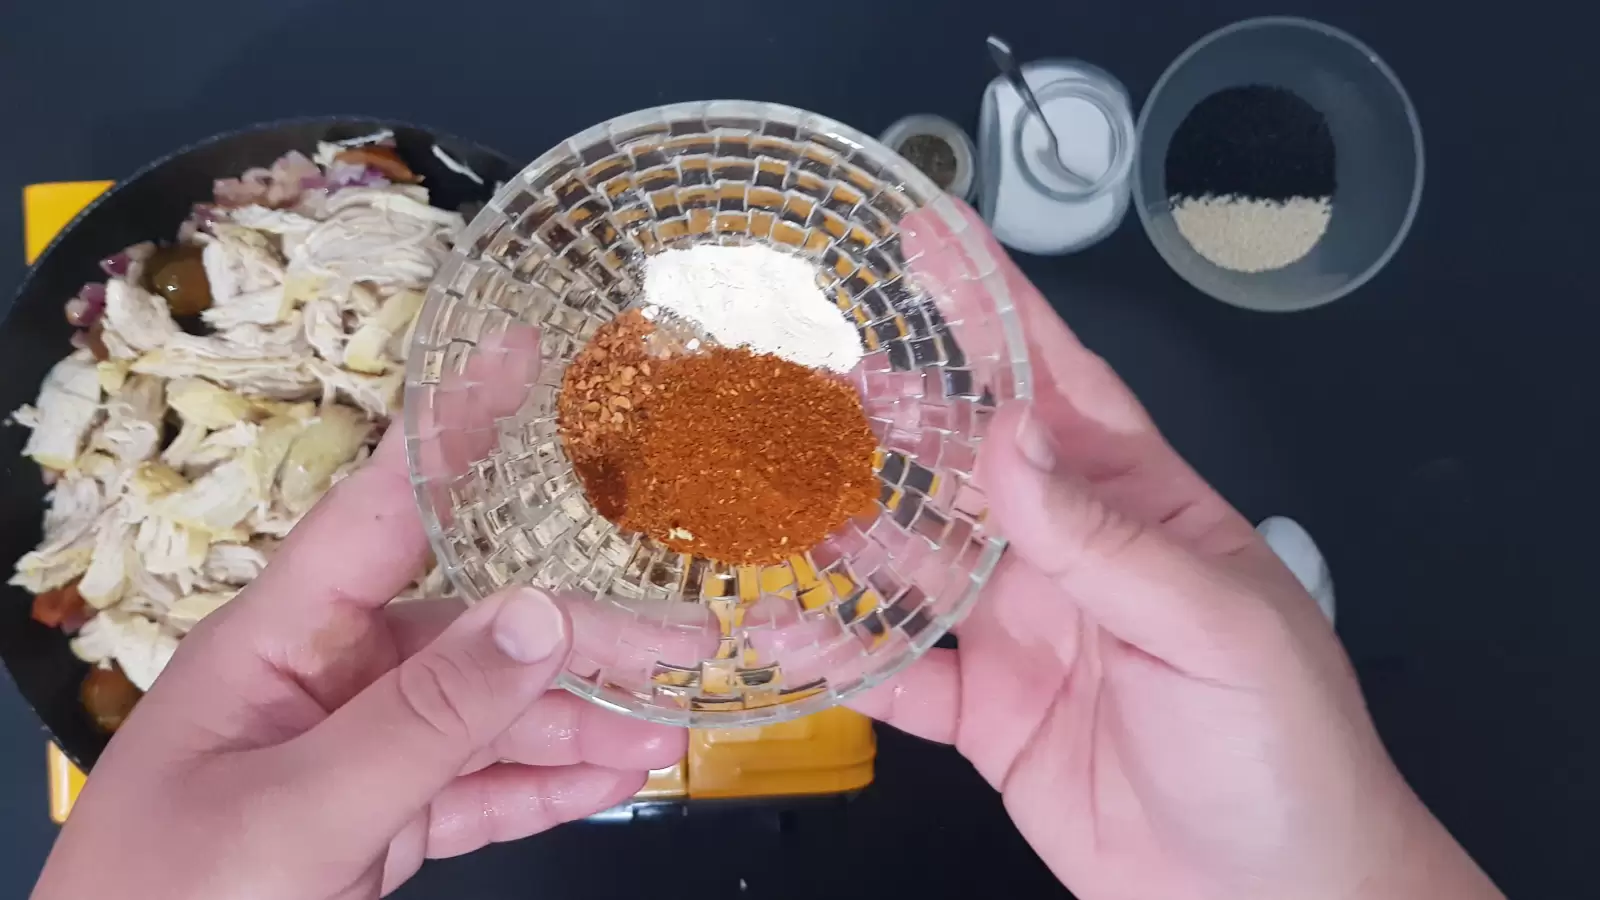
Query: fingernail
x=1035, y=442
x=528, y=627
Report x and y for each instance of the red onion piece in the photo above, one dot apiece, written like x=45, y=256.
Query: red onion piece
x=86, y=308
x=201, y=217
x=343, y=175
x=79, y=312
x=118, y=264
x=251, y=187
x=277, y=188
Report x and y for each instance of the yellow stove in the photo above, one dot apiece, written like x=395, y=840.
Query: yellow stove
x=831, y=752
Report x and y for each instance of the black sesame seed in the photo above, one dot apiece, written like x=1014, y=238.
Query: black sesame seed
x=1257, y=142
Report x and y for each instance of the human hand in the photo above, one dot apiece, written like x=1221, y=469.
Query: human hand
x=1163, y=707
x=309, y=741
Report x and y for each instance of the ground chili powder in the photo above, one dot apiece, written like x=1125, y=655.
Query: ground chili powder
x=741, y=457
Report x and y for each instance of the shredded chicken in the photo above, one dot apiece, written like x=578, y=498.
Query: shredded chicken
x=198, y=400
x=368, y=349
x=132, y=429
x=378, y=395
x=169, y=548
x=183, y=458
x=136, y=321
x=317, y=452
x=238, y=564
x=264, y=307
x=218, y=447
x=238, y=361
x=69, y=532
x=325, y=329
x=140, y=645
x=107, y=575
x=191, y=608
x=240, y=260
x=69, y=404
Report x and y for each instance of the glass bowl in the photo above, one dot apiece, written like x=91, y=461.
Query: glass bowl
x=1376, y=136
x=555, y=255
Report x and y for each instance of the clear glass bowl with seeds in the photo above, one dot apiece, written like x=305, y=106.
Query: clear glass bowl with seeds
x=1375, y=130
x=556, y=254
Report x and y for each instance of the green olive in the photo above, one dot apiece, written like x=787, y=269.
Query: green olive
x=176, y=273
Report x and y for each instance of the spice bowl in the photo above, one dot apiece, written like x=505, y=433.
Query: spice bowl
x=1378, y=156
x=558, y=253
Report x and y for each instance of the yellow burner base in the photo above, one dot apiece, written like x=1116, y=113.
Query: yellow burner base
x=831, y=752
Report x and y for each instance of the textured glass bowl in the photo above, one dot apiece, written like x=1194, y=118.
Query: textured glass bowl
x=556, y=254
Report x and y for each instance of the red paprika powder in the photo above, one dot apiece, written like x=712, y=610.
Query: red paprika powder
x=741, y=457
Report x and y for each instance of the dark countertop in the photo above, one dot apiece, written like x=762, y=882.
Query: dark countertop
x=1429, y=429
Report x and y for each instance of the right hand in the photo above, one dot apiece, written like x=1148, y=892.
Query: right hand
x=1163, y=707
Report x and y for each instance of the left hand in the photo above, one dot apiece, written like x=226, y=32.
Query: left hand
x=310, y=741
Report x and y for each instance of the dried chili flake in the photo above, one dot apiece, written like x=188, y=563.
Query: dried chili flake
x=602, y=388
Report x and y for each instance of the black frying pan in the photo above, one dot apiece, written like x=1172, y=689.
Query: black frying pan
x=149, y=205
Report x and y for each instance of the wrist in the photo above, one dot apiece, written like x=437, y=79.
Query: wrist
x=1426, y=862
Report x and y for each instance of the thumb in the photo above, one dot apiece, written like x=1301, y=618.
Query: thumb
x=385, y=754
x=1129, y=578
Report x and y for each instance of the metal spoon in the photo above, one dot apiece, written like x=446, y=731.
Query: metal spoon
x=1006, y=62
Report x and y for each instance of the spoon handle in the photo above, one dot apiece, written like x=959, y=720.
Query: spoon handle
x=1006, y=62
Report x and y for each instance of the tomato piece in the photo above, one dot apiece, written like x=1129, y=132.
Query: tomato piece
x=52, y=608
x=384, y=159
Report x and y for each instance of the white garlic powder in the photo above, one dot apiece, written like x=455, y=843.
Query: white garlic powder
x=757, y=298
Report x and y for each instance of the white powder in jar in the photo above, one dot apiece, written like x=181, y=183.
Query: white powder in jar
x=754, y=297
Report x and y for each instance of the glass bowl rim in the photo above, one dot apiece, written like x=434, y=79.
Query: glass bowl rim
x=897, y=171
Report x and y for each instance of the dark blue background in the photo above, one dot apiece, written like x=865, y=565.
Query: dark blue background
x=1436, y=430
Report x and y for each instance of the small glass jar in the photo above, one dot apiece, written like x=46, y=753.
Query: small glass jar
x=1035, y=201
x=963, y=181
